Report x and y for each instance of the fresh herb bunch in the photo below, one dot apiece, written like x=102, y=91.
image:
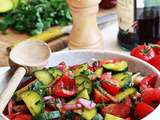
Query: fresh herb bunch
x=35, y=16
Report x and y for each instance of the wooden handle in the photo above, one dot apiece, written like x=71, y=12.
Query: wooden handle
x=11, y=87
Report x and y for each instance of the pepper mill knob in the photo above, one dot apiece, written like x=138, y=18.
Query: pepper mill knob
x=85, y=33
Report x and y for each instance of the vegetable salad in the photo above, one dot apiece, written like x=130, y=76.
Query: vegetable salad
x=105, y=90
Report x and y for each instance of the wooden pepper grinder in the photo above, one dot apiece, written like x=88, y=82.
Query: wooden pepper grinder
x=85, y=33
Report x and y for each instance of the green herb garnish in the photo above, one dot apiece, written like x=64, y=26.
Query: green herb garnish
x=35, y=16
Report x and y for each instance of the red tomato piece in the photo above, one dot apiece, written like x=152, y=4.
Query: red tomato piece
x=120, y=110
x=142, y=110
x=155, y=62
x=64, y=87
x=151, y=96
x=143, y=52
x=128, y=118
x=92, y=68
x=157, y=50
x=99, y=97
x=22, y=117
x=47, y=109
x=148, y=81
x=128, y=102
x=111, y=89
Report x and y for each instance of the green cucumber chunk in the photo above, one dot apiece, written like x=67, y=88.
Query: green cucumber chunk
x=44, y=76
x=123, y=78
x=124, y=94
x=33, y=102
x=80, y=79
x=48, y=115
x=80, y=68
x=6, y=5
x=55, y=72
x=120, y=66
x=99, y=71
x=98, y=117
x=89, y=114
x=83, y=82
x=111, y=117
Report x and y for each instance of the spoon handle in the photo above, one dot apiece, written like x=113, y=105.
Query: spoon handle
x=11, y=87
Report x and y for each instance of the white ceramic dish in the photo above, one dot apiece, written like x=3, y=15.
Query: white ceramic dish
x=81, y=56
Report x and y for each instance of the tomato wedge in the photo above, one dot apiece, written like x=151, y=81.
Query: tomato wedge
x=64, y=87
x=151, y=96
x=22, y=116
x=142, y=110
x=111, y=89
x=120, y=110
x=149, y=81
x=98, y=97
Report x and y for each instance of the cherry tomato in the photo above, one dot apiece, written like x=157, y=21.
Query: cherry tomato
x=155, y=62
x=22, y=117
x=143, y=52
x=151, y=96
x=64, y=87
x=120, y=110
x=99, y=97
x=149, y=81
x=142, y=110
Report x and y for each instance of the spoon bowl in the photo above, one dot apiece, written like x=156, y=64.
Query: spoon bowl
x=26, y=57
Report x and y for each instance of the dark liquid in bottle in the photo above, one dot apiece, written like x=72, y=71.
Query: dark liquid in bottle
x=147, y=30
x=127, y=40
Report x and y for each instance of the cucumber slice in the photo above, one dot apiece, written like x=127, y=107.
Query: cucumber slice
x=5, y=5
x=111, y=117
x=127, y=92
x=89, y=114
x=123, y=78
x=80, y=79
x=33, y=102
x=99, y=72
x=84, y=83
x=80, y=68
x=84, y=94
x=48, y=115
x=20, y=91
x=55, y=72
x=98, y=117
x=44, y=76
x=120, y=66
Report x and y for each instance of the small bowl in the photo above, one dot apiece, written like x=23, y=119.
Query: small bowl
x=82, y=56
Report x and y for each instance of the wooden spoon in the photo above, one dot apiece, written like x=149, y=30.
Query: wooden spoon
x=26, y=57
